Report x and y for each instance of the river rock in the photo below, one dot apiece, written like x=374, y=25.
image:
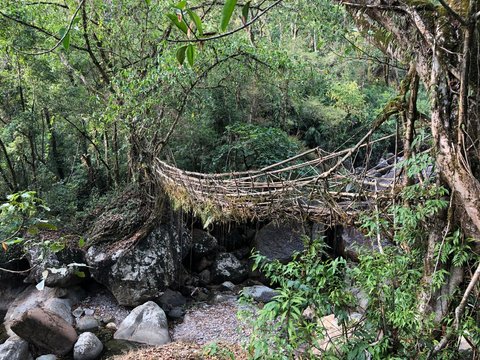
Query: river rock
x=87, y=323
x=203, y=243
x=46, y=330
x=47, y=357
x=141, y=272
x=171, y=299
x=228, y=268
x=15, y=348
x=61, y=307
x=62, y=275
x=260, y=293
x=87, y=347
x=30, y=298
x=279, y=241
x=146, y=324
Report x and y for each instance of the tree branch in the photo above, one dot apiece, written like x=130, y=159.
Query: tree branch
x=228, y=33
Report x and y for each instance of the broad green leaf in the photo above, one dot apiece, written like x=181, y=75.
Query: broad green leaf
x=148, y=2
x=66, y=38
x=56, y=247
x=190, y=54
x=245, y=10
x=181, y=54
x=180, y=24
x=181, y=5
x=196, y=19
x=227, y=13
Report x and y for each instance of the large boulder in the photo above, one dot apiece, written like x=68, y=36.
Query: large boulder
x=28, y=299
x=146, y=324
x=350, y=242
x=279, y=241
x=46, y=330
x=60, y=274
x=228, y=268
x=15, y=348
x=141, y=271
x=87, y=347
x=61, y=307
x=203, y=243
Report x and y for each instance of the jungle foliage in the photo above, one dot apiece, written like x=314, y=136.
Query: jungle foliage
x=92, y=91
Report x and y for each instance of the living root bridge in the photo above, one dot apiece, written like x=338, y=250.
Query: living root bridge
x=313, y=185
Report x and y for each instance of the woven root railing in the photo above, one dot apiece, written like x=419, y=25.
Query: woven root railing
x=316, y=185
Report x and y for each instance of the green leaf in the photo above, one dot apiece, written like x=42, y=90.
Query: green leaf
x=66, y=38
x=56, y=247
x=181, y=54
x=181, y=5
x=190, y=54
x=227, y=13
x=196, y=19
x=148, y=2
x=180, y=24
x=46, y=226
x=245, y=10
x=80, y=274
x=81, y=242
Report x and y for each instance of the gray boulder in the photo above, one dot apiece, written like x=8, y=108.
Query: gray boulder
x=87, y=323
x=260, y=293
x=61, y=307
x=203, y=243
x=87, y=347
x=47, y=357
x=29, y=298
x=146, y=324
x=59, y=273
x=228, y=268
x=15, y=348
x=46, y=330
x=279, y=241
x=352, y=242
x=140, y=272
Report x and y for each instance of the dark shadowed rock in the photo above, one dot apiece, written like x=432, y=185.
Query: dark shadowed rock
x=140, y=272
x=281, y=240
x=15, y=348
x=203, y=243
x=171, y=299
x=228, y=268
x=46, y=330
x=146, y=324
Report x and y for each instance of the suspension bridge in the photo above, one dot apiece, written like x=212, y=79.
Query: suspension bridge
x=316, y=185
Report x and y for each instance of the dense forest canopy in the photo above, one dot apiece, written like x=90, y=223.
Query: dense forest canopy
x=92, y=91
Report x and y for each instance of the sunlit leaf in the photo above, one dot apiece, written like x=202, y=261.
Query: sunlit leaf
x=196, y=19
x=178, y=23
x=227, y=13
x=191, y=54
